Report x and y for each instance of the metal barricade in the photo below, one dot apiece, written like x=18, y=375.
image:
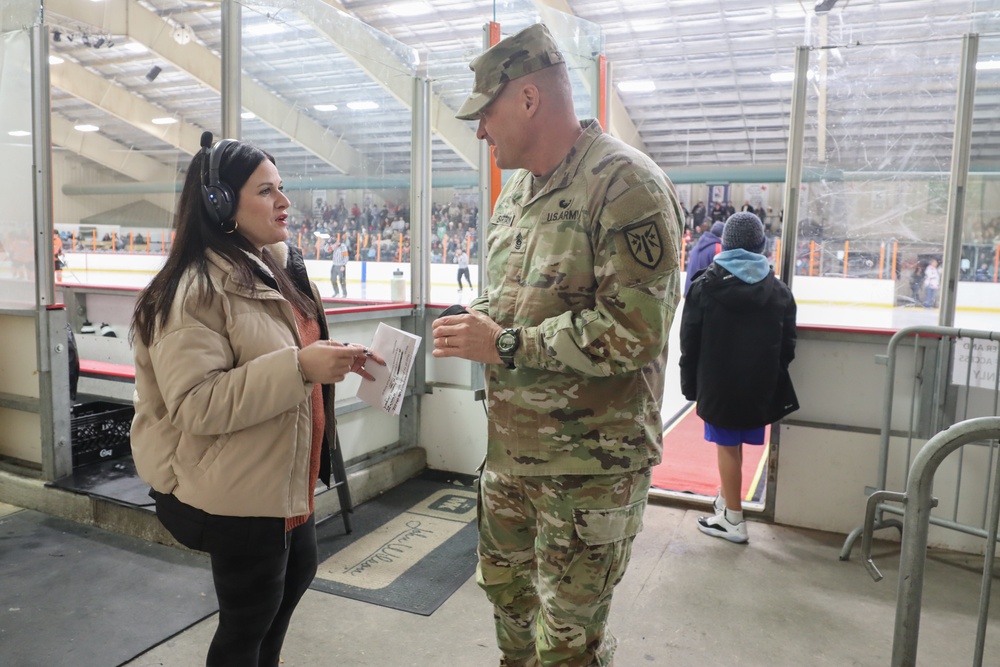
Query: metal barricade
x=953, y=378
x=918, y=503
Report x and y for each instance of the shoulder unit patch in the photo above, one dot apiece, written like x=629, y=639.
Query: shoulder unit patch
x=645, y=244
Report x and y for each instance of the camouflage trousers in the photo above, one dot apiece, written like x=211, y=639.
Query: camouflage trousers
x=551, y=551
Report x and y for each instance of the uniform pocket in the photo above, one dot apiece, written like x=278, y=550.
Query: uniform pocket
x=596, y=527
x=601, y=555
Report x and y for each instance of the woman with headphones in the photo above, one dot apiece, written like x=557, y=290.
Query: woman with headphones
x=234, y=399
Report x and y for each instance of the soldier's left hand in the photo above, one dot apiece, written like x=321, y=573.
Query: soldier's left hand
x=470, y=336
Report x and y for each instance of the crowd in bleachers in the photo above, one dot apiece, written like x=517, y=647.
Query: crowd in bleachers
x=382, y=233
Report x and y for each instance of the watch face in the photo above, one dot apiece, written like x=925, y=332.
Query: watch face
x=506, y=342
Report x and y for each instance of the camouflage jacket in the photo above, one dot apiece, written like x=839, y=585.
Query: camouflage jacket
x=587, y=268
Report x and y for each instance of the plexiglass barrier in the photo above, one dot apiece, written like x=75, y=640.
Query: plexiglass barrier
x=979, y=270
x=343, y=142
x=121, y=144
x=876, y=168
x=17, y=229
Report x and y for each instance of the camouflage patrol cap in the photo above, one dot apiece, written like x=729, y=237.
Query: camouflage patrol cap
x=528, y=51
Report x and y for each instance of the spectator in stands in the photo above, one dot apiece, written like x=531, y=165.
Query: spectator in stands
x=737, y=339
x=698, y=214
x=234, y=398
x=718, y=212
x=983, y=273
x=762, y=214
x=708, y=246
x=917, y=282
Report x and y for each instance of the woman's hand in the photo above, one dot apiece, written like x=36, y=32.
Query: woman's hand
x=362, y=355
x=329, y=362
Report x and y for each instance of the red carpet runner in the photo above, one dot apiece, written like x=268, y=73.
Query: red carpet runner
x=690, y=464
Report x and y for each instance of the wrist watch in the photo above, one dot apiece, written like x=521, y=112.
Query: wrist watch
x=507, y=343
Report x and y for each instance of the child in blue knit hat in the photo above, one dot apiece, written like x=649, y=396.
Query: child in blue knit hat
x=737, y=340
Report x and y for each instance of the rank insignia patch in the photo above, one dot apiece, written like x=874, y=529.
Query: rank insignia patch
x=645, y=244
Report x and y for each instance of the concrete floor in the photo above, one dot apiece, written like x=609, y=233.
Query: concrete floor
x=687, y=600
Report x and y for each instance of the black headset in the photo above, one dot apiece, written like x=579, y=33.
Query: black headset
x=218, y=197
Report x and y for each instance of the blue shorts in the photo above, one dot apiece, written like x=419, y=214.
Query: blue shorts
x=734, y=437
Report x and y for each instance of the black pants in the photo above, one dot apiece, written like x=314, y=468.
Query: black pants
x=258, y=590
x=339, y=273
x=464, y=272
x=260, y=574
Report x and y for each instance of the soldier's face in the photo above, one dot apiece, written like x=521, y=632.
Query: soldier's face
x=498, y=127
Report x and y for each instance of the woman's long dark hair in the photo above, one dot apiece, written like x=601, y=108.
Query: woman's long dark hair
x=195, y=232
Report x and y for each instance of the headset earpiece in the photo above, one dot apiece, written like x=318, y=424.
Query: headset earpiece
x=217, y=196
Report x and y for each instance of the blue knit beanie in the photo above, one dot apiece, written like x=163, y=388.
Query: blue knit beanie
x=744, y=230
x=717, y=228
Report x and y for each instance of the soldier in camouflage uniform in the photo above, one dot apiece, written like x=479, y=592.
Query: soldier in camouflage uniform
x=583, y=283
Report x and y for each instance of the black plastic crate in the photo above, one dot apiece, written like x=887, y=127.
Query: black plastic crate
x=100, y=431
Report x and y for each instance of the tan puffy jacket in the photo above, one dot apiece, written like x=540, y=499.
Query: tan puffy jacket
x=223, y=416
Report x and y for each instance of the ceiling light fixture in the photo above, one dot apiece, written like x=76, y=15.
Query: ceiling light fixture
x=99, y=43
x=248, y=115
x=988, y=64
x=325, y=107
x=166, y=120
x=362, y=106
x=637, y=86
x=135, y=47
x=86, y=128
x=56, y=60
x=259, y=29
x=416, y=8
x=56, y=36
x=19, y=133
x=792, y=10
x=823, y=6
x=784, y=77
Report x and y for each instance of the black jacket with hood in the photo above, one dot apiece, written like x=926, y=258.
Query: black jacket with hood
x=737, y=340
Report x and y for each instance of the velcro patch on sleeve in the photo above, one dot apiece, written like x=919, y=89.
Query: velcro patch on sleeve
x=636, y=222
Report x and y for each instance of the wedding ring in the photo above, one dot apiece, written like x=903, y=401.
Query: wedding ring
x=446, y=341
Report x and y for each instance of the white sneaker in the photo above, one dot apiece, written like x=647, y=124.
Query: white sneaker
x=719, y=526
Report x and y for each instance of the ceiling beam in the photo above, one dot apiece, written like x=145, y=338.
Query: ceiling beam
x=385, y=68
x=107, y=95
x=111, y=154
x=130, y=18
x=620, y=124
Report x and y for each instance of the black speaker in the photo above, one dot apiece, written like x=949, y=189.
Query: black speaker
x=153, y=72
x=215, y=193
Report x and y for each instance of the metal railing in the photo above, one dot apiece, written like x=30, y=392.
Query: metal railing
x=953, y=378
x=918, y=503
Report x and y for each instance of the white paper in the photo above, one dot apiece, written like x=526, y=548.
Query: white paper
x=975, y=363
x=398, y=348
